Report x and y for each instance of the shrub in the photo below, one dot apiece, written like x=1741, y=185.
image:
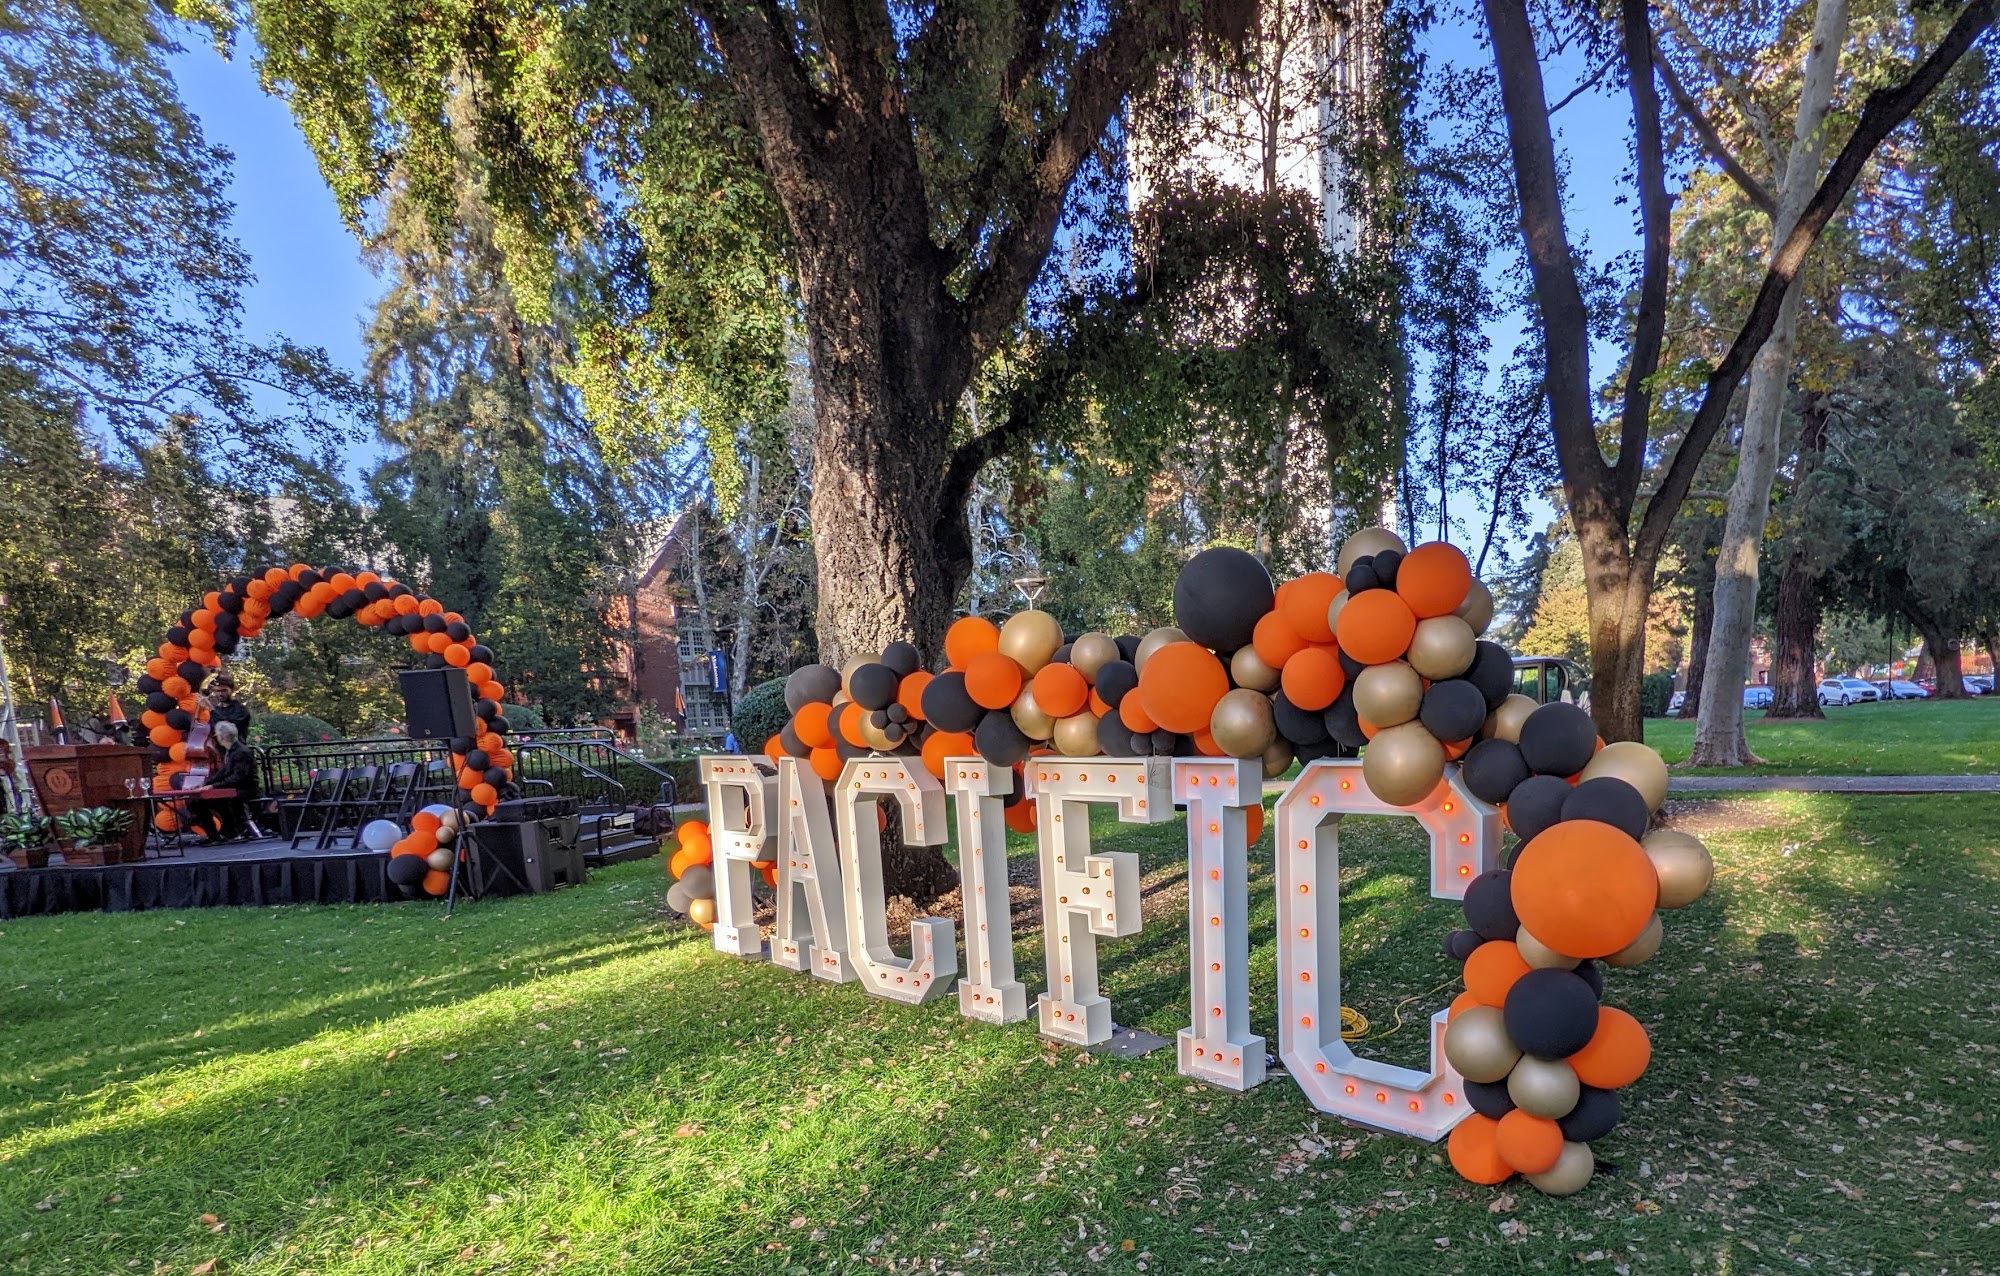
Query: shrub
x=1655, y=691
x=524, y=717
x=760, y=714
x=291, y=728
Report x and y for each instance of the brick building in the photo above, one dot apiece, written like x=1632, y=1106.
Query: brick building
x=665, y=643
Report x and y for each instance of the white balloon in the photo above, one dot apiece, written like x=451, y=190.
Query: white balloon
x=380, y=835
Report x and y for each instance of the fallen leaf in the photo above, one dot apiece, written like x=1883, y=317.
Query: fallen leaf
x=205, y=1268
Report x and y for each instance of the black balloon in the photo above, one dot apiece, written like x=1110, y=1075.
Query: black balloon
x=408, y=871
x=1385, y=563
x=1164, y=744
x=1551, y=1013
x=160, y=702
x=998, y=740
x=434, y=623
x=1219, y=596
x=1128, y=647
x=230, y=603
x=225, y=644
x=811, y=684
x=1115, y=679
x=1361, y=577
x=946, y=705
x=903, y=657
x=461, y=744
x=1489, y=905
x=1452, y=710
x=1308, y=753
x=1593, y=1117
x=1349, y=666
x=375, y=591
x=1342, y=723
x=1300, y=726
x=873, y=686
x=477, y=759
x=500, y=726
x=487, y=710
x=789, y=741
x=495, y=776
x=179, y=719
x=1062, y=654
x=1590, y=973
x=191, y=671
x=1115, y=738
x=1535, y=804
x=1492, y=671
x=481, y=652
x=1489, y=1098
x=1558, y=739
x=1493, y=769
x=898, y=714
x=1458, y=944
x=178, y=635
x=147, y=685
x=1609, y=800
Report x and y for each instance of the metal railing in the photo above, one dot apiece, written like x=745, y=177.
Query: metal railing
x=286, y=769
x=594, y=752
x=580, y=762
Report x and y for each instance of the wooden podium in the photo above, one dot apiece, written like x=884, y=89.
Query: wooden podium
x=68, y=777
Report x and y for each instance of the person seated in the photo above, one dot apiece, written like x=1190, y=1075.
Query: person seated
x=226, y=818
x=223, y=706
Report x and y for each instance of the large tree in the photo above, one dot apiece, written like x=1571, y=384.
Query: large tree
x=904, y=167
x=1622, y=539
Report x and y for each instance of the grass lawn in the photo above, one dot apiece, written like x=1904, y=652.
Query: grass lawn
x=1905, y=737
x=566, y=1083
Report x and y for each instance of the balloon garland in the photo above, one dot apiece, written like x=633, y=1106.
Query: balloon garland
x=692, y=866
x=1383, y=658
x=193, y=649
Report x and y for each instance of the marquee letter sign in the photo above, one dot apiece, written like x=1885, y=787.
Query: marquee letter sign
x=1218, y=1045
x=989, y=992
x=811, y=932
x=933, y=956
x=741, y=794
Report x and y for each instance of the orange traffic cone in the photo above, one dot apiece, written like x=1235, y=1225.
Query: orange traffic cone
x=117, y=718
x=57, y=727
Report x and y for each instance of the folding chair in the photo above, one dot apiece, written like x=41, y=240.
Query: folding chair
x=351, y=809
x=399, y=793
x=314, y=808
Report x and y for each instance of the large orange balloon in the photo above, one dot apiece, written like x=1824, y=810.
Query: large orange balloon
x=1434, y=579
x=811, y=725
x=1132, y=712
x=1583, y=888
x=910, y=693
x=1312, y=679
x=1180, y=685
x=1253, y=824
x=437, y=882
x=1061, y=690
x=1376, y=626
x=1492, y=970
x=164, y=736
x=826, y=764
x=1530, y=1144
x=1617, y=1054
x=1475, y=1151
x=1306, y=605
x=176, y=686
x=993, y=680
x=970, y=636
x=847, y=724
x=1275, y=641
x=485, y=794
x=1021, y=818
x=946, y=744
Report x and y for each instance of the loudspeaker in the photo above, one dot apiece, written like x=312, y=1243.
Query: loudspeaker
x=531, y=856
x=437, y=703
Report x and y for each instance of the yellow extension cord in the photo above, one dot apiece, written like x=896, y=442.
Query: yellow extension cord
x=1354, y=1024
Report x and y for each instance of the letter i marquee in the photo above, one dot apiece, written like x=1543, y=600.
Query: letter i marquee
x=989, y=992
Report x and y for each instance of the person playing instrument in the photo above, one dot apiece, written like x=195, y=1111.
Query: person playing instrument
x=225, y=819
x=223, y=706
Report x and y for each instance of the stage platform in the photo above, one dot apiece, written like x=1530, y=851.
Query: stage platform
x=264, y=871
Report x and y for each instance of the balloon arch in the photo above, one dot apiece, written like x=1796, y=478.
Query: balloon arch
x=192, y=651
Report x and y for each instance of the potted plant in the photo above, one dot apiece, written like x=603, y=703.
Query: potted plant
x=25, y=838
x=95, y=834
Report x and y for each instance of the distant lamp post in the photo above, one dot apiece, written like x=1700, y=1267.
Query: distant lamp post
x=1031, y=588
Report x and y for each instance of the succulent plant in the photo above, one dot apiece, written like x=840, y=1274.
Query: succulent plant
x=94, y=825
x=21, y=831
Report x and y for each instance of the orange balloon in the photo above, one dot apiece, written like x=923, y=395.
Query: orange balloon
x=1253, y=824
x=1530, y=1144
x=1584, y=888
x=1618, y=1051
x=847, y=722
x=770, y=872
x=682, y=861
x=1492, y=970
x=1307, y=603
x=1475, y=1152
x=201, y=640
x=478, y=673
x=166, y=820
x=205, y=621
x=1274, y=639
x=826, y=764
x=1021, y=817
x=1098, y=704
x=485, y=794
x=1180, y=685
x=178, y=752
x=993, y=680
x=970, y=637
x=1376, y=626
x=910, y=693
x=942, y=745
x=437, y=643
x=165, y=736
x=176, y=686
x=150, y=719
x=437, y=882
x=1433, y=579
x=1313, y=678
x=341, y=582
x=1460, y=1004
x=813, y=727
x=425, y=822
x=469, y=778
x=774, y=747
x=405, y=604
x=1061, y=690
x=457, y=656
x=1132, y=712
x=1204, y=743
x=493, y=691
x=429, y=607
x=159, y=668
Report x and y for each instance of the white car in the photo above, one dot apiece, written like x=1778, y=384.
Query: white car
x=1845, y=691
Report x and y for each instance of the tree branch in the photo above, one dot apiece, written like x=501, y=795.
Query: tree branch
x=1884, y=110
x=1711, y=140
x=764, y=68
x=1732, y=87
x=1656, y=234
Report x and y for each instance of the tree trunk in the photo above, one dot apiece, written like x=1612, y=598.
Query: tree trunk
x=1704, y=620
x=1943, y=651
x=748, y=539
x=1719, y=739
x=1618, y=590
x=1795, y=638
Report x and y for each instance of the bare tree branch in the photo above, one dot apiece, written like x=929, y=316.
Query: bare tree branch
x=1656, y=234
x=1711, y=140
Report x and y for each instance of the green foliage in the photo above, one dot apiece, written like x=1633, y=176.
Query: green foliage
x=23, y=830
x=291, y=728
x=94, y=825
x=760, y=714
x=525, y=717
x=1656, y=690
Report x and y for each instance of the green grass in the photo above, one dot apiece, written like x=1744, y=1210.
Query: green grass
x=1905, y=737
x=565, y=1083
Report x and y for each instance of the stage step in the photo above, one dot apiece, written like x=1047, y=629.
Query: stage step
x=619, y=852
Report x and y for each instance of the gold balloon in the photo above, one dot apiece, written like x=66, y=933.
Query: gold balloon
x=1277, y=759
x=1402, y=765
x=877, y=738
x=440, y=859
x=1442, y=648
x=1030, y=637
x=1634, y=763
x=1388, y=695
x=1076, y=736
x=1642, y=948
x=1539, y=955
x=1152, y=642
x=1092, y=652
x=1570, y=1174
x=1505, y=722
x=1030, y=717
x=1367, y=541
x=1477, y=609
x=1242, y=723
x=1249, y=670
x=1333, y=609
x=1543, y=1087
x=701, y=912
x=1684, y=865
x=1477, y=1044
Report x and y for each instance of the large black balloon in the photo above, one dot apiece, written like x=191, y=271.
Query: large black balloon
x=408, y=871
x=147, y=685
x=375, y=591
x=1361, y=577
x=1535, y=804
x=1593, y=1117
x=873, y=686
x=225, y=644
x=1551, y=1013
x=457, y=630
x=434, y=623
x=998, y=740
x=179, y=719
x=1452, y=710
x=478, y=759
x=811, y=684
x=946, y=705
x=1489, y=1098
x=1219, y=596
x=1128, y=647
x=1386, y=562
x=1609, y=800
x=1558, y=739
x=1164, y=744
x=1115, y=738
x=1489, y=905
x=789, y=741
x=1300, y=726
x=1492, y=671
x=1458, y=944
x=481, y=652
x=1115, y=679
x=230, y=603
x=160, y=702
x=903, y=657
x=178, y=635
x=192, y=672
x=1342, y=722
x=1493, y=768
x=1306, y=754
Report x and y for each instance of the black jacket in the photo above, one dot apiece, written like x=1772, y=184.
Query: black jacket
x=238, y=771
x=236, y=713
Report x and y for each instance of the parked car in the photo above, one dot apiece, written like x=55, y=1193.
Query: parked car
x=1845, y=691
x=1757, y=697
x=1547, y=679
x=1675, y=702
x=1897, y=689
x=1980, y=684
